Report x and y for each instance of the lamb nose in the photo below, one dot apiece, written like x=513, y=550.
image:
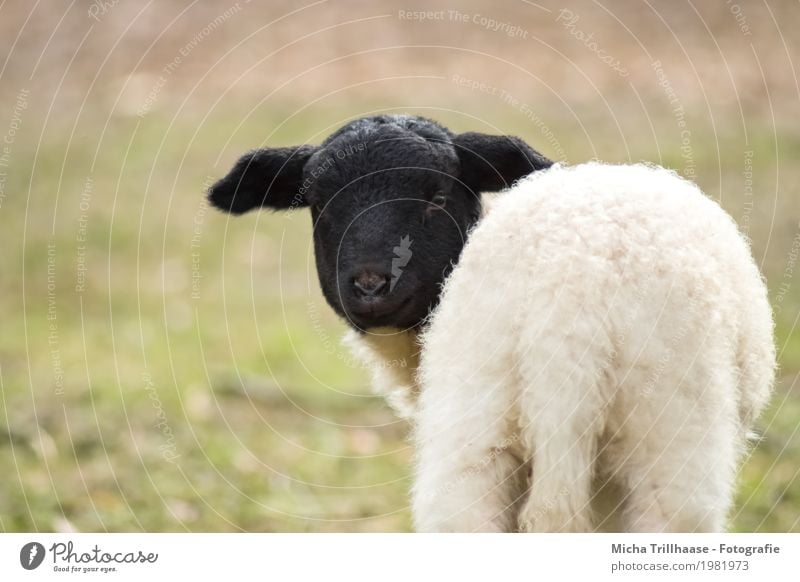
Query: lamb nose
x=370, y=284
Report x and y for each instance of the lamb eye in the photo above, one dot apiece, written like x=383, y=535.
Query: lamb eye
x=439, y=199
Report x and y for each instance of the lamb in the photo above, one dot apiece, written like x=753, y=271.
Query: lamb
x=593, y=359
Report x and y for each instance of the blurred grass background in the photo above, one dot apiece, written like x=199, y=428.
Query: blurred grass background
x=164, y=368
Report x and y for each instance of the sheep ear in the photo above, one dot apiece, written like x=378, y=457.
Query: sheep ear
x=269, y=177
x=493, y=162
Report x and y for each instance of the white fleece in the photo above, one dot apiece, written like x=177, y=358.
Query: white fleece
x=596, y=361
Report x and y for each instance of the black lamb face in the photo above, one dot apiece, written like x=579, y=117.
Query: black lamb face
x=390, y=219
x=392, y=199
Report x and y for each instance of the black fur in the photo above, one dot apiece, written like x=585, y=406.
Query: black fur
x=488, y=162
x=266, y=177
x=392, y=197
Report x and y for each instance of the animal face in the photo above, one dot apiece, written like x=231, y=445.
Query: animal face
x=392, y=199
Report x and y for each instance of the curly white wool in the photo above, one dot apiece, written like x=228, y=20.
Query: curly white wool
x=596, y=361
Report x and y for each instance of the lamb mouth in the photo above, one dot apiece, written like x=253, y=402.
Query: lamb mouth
x=382, y=315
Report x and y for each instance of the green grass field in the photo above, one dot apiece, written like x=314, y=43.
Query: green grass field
x=164, y=368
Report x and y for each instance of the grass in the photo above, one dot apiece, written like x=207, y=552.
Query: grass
x=196, y=381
